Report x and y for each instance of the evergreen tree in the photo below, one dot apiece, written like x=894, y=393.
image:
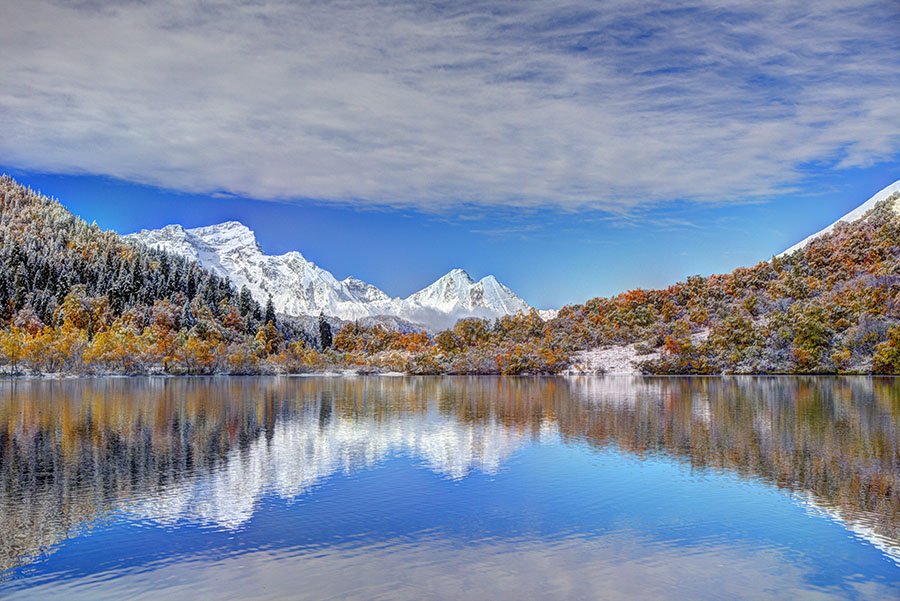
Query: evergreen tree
x=187, y=320
x=20, y=286
x=324, y=332
x=270, y=313
x=245, y=301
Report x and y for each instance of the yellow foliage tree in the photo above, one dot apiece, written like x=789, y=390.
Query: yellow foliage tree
x=14, y=344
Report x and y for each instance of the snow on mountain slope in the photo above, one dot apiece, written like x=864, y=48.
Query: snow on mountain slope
x=299, y=287
x=363, y=291
x=457, y=291
x=853, y=215
x=457, y=295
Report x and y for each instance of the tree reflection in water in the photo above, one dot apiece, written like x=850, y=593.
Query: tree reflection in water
x=74, y=452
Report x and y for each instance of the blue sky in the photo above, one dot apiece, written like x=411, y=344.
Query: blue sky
x=547, y=257
x=572, y=149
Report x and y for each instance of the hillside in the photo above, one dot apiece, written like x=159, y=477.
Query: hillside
x=830, y=306
x=76, y=298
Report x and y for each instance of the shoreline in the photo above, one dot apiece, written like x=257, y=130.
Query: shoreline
x=356, y=374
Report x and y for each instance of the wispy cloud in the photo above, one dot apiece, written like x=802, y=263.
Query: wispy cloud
x=571, y=105
x=645, y=219
x=523, y=231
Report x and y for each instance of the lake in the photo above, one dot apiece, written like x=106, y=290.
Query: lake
x=450, y=488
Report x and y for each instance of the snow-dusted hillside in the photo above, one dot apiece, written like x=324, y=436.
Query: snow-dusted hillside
x=300, y=287
x=851, y=216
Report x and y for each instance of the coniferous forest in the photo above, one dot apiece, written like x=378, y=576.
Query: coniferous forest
x=78, y=299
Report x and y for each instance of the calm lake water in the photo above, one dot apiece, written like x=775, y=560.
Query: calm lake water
x=450, y=488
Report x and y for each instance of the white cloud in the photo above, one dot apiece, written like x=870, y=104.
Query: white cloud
x=518, y=103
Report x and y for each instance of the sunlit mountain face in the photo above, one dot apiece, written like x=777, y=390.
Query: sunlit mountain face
x=217, y=456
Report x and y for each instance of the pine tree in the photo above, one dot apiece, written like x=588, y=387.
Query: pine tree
x=187, y=320
x=245, y=301
x=324, y=332
x=270, y=313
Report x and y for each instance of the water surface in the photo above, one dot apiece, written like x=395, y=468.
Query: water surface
x=450, y=488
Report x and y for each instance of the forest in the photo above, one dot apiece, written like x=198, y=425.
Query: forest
x=76, y=299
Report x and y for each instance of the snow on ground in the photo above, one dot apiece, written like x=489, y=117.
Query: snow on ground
x=612, y=360
x=619, y=359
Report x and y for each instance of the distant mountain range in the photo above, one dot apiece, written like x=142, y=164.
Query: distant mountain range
x=299, y=287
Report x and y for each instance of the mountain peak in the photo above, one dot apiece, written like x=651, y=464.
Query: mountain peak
x=364, y=292
x=227, y=235
x=457, y=294
x=225, y=225
x=458, y=273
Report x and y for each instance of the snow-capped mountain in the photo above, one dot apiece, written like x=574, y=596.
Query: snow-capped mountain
x=853, y=215
x=456, y=295
x=300, y=287
x=297, y=286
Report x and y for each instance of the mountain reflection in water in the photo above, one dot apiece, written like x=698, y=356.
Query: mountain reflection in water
x=73, y=453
